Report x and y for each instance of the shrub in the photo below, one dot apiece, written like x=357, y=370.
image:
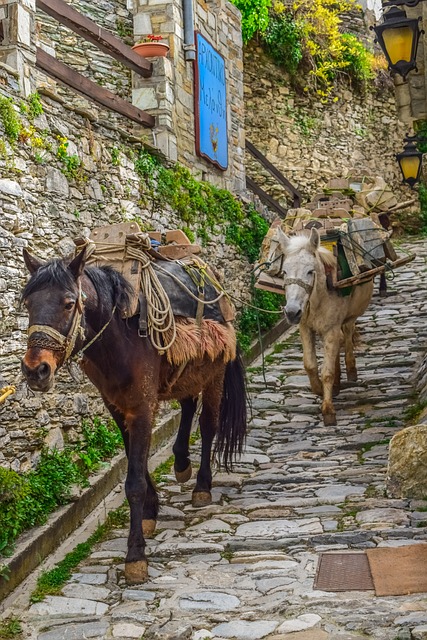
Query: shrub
x=283, y=41
x=27, y=500
x=254, y=16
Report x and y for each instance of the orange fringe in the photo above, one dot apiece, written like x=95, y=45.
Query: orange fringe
x=211, y=339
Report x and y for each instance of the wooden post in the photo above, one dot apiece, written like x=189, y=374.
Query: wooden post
x=17, y=45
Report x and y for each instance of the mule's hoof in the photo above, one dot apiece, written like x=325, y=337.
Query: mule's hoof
x=148, y=528
x=183, y=476
x=352, y=376
x=329, y=419
x=201, y=499
x=136, y=572
x=336, y=391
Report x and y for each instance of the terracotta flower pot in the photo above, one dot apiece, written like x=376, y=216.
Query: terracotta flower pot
x=151, y=49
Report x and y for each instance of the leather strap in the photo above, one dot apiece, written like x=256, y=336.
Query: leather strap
x=143, y=315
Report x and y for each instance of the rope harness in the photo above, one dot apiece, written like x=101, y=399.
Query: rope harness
x=159, y=311
x=6, y=391
x=56, y=341
x=307, y=287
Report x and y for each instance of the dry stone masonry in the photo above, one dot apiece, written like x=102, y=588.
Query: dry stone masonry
x=311, y=142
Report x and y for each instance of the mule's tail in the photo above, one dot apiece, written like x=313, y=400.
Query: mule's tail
x=233, y=414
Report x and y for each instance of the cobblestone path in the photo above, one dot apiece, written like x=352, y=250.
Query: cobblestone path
x=244, y=567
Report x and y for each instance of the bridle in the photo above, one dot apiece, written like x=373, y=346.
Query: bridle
x=64, y=344
x=307, y=287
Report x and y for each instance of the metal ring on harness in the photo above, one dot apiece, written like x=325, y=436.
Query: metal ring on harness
x=307, y=287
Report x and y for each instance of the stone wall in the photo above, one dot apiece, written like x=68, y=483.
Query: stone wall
x=44, y=209
x=83, y=56
x=219, y=22
x=311, y=142
x=168, y=94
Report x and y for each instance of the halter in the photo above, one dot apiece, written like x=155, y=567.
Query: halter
x=307, y=287
x=65, y=344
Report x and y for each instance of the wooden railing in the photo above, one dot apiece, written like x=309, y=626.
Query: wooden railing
x=106, y=42
x=263, y=195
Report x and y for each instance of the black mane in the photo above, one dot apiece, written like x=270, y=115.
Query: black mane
x=111, y=287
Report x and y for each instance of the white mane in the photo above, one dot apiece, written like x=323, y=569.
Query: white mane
x=302, y=242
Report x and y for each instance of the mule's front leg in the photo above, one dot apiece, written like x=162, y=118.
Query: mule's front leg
x=151, y=503
x=331, y=351
x=136, y=487
x=308, y=339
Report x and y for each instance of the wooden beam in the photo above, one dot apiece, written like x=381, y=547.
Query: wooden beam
x=60, y=71
x=265, y=197
x=101, y=38
x=275, y=172
x=364, y=276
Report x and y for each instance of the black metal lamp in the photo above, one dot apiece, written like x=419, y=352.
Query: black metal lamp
x=410, y=161
x=398, y=37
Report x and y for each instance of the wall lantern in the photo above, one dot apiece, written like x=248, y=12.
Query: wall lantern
x=398, y=37
x=410, y=161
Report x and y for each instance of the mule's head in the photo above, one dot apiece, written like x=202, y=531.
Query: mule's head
x=299, y=266
x=52, y=298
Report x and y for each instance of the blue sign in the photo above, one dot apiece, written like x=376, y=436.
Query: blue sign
x=210, y=104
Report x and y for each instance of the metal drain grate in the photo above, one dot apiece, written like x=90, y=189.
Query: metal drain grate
x=343, y=572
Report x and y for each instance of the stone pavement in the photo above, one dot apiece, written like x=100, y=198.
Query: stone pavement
x=244, y=567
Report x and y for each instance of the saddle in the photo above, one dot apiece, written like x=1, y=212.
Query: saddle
x=187, y=281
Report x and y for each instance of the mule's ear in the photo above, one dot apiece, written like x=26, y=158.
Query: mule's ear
x=77, y=264
x=314, y=239
x=32, y=263
x=283, y=239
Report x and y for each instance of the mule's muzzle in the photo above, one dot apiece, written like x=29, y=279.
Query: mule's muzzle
x=39, y=377
x=293, y=313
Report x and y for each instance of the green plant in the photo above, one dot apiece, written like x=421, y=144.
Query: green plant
x=254, y=16
x=115, y=156
x=35, y=107
x=124, y=30
x=26, y=500
x=306, y=39
x=100, y=441
x=413, y=412
x=283, y=41
x=160, y=473
x=72, y=165
x=10, y=628
x=11, y=123
x=252, y=321
x=51, y=582
x=357, y=61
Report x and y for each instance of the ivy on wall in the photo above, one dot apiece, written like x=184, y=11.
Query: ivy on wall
x=306, y=40
x=26, y=500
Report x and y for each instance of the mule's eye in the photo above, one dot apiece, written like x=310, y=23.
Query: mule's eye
x=310, y=273
x=69, y=305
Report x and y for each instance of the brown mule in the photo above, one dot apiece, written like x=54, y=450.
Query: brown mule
x=73, y=308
